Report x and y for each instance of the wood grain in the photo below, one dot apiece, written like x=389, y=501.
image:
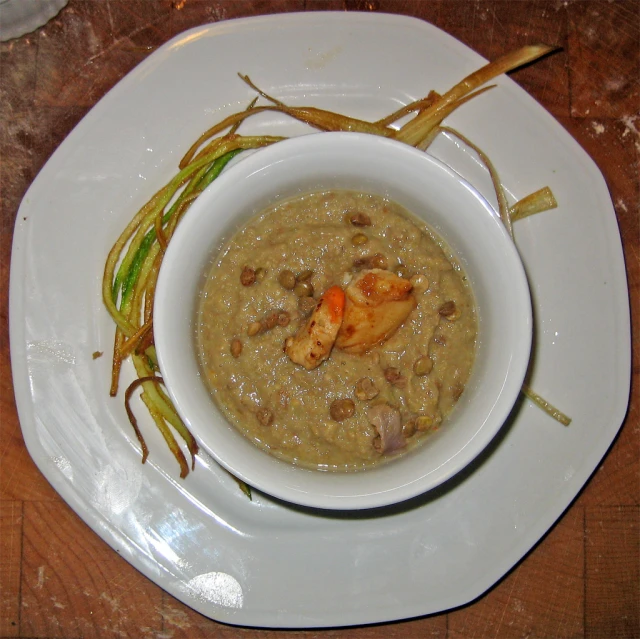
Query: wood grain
x=612, y=537
x=58, y=579
x=87, y=589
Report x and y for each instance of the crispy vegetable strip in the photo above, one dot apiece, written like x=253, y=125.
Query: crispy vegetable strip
x=430, y=128
x=247, y=80
x=131, y=309
x=330, y=121
x=244, y=488
x=136, y=231
x=128, y=270
x=111, y=282
x=146, y=346
x=167, y=435
x=416, y=105
x=320, y=118
x=236, y=125
x=231, y=121
x=543, y=404
x=503, y=204
x=432, y=131
x=116, y=363
x=157, y=226
x=132, y=343
x=135, y=286
x=536, y=202
x=418, y=128
x=150, y=293
x=132, y=418
x=162, y=404
x=317, y=118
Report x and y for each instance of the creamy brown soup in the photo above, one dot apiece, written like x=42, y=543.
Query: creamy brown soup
x=344, y=266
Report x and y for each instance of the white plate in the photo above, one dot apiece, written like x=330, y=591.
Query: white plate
x=263, y=563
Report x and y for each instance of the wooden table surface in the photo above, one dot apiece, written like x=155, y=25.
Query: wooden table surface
x=58, y=579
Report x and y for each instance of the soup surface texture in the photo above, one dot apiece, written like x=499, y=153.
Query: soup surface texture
x=276, y=291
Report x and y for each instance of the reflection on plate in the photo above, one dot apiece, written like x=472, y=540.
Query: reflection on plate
x=250, y=562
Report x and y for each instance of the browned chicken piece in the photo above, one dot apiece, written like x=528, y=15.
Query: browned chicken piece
x=312, y=344
x=376, y=305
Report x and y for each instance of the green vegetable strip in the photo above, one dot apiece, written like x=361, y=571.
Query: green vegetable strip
x=112, y=259
x=216, y=169
x=147, y=252
x=129, y=268
x=136, y=265
x=145, y=218
x=158, y=397
x=151, y=355
x=157, y=402
x=147, y=221
x=162, y=406
x=138, y=293
x=167, y=435
x=244, y=488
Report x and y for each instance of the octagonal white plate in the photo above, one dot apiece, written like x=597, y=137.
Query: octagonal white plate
x=264, y=563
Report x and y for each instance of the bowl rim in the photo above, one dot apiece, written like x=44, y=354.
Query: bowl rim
x=292, y=482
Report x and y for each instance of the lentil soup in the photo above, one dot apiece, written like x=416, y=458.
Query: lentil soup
x=335, y=330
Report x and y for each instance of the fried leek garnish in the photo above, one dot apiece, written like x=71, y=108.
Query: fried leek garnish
x=129, y=282
x=536, y=202
x=503, y=205
x=132, y=266
x=546, y=406
x=417, y=106
x=420, y=127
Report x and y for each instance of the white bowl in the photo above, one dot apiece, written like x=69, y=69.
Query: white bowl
x=429, y=189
